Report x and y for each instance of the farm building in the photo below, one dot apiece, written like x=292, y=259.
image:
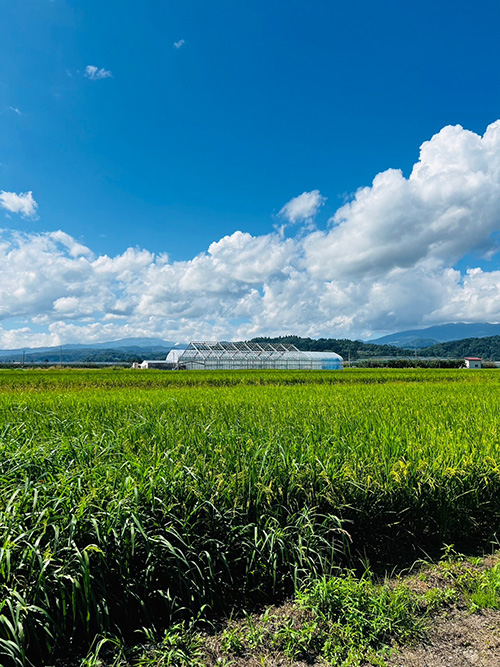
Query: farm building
x=473, y=362
x=159, y=364
x=215, y=355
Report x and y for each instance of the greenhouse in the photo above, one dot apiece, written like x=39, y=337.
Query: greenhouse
x=217, y=355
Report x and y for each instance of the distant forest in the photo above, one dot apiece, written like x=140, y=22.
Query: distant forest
x=80, y=356
x=486, y=348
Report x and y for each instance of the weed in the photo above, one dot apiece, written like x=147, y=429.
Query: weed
x=480, y=588
x=180, y=647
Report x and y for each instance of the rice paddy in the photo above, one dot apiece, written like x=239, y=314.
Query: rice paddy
x=134, y=500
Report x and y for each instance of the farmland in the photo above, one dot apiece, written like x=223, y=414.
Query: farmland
x=133, y=500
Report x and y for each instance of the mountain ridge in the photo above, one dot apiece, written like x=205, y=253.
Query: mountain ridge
x=135, y=344
x=441, y=333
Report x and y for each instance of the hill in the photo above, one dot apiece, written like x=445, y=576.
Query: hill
x=488, y=348
x=353, y=349
x=423, y=338
x=125, y=349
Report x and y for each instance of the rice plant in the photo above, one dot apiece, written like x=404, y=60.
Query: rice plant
x=137, y=499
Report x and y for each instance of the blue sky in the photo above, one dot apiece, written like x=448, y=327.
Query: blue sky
x=165, y=127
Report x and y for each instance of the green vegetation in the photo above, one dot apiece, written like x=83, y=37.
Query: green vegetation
x=478, y=586
x=488, y=348
x=353, y=349
x=134, y=500
x=342, y=620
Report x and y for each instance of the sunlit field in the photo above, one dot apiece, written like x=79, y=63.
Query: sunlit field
x=132, y=499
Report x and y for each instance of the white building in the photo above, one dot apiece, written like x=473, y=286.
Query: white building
x=472, y=362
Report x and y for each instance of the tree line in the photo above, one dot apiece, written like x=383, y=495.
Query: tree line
x=487, y=348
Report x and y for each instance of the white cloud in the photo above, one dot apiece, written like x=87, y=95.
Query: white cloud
x=15, y=110
x=74, y=248
x=303, y=208
x=386, y=262
x=22, y=203
x=177, y=45
x=447, y=207
x=95, y=74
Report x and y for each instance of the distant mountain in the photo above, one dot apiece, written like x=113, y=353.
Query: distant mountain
x=128, y=343
x=422, y=338
x=125, y=349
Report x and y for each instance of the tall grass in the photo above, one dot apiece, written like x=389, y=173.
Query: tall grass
x=131, y=500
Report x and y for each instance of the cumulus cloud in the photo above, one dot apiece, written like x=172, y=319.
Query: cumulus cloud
x=95, y=74
x=181, y=42
x=22, y=203
x=302, y=208
x=386, y=261
x=447, y=207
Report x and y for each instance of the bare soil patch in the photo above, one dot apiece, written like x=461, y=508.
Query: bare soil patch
x=457, y=638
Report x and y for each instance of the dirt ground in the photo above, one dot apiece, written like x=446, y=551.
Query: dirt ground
x=457, y=638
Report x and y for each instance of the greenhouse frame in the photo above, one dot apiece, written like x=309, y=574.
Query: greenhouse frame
x=223, y=355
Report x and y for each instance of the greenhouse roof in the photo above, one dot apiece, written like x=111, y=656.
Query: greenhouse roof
x=238, y=350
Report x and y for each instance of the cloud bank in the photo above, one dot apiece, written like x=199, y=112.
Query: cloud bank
x=386, y=261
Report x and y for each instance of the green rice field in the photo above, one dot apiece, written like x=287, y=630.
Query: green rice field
x=134, y=499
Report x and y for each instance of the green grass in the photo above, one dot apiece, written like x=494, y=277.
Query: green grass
x=482, y=591
x=479, y=586
x=345, y=620
x=136, y=499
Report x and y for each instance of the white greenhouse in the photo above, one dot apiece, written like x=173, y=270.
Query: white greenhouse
x=221, y=355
